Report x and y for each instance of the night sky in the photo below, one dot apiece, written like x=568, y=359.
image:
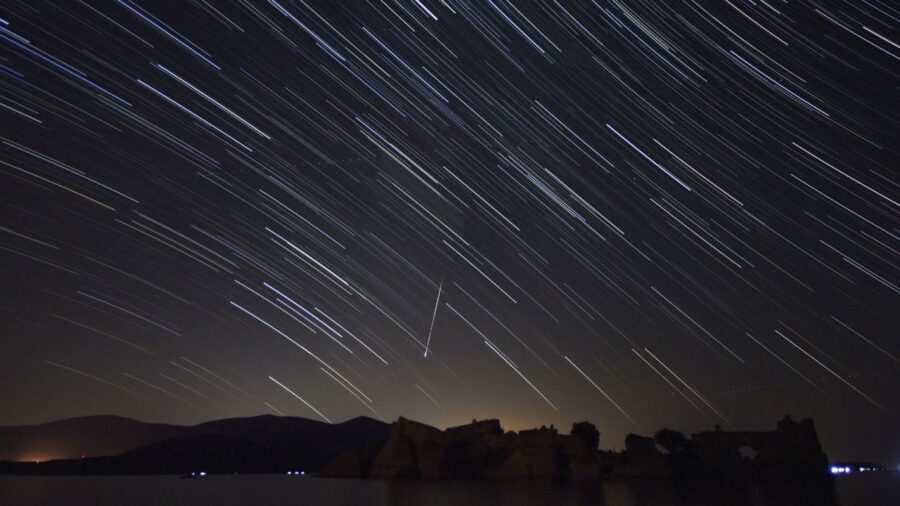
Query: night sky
x=639, y=213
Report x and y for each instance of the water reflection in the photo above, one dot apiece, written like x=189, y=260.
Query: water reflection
x=872, y=489
x=643, y=493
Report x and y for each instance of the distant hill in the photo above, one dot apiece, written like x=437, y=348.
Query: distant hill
x=89, y=436
x=118, y=445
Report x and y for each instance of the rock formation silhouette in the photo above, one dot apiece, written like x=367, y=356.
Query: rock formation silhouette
x=482, y=450
x=791, y=450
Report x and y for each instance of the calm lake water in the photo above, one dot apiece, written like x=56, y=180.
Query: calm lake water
x=875, y=489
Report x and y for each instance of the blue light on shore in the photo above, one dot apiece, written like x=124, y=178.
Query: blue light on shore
x=853, y=469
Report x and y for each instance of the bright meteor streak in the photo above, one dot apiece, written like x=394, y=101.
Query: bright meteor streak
x=433, y=316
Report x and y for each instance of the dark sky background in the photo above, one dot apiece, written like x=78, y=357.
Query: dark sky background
x=643, y=214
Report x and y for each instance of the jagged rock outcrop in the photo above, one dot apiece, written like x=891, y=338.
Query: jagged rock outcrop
x=477, y=450
x=482, y=450
x=535, y=455
x=642, y=459
x=580, y=459
x=791, y=450
x=413, y=450
x=353, y=463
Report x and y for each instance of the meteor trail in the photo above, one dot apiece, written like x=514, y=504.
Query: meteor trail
x=433, y=315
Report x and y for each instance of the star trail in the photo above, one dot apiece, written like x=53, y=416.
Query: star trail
x=437, y=208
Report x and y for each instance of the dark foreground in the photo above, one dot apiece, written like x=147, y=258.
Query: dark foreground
x=274, y=490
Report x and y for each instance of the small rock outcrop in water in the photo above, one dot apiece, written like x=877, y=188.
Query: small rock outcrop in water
x=482, y=450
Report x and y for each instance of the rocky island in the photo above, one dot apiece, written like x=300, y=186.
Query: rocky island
x=483, y=450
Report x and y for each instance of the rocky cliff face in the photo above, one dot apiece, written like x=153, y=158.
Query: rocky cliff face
x=535, y=454
x=481, y=450
x=477, y=450
x=353, y=464
x=413, y=450
x=792, y=449
x=642, y=460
